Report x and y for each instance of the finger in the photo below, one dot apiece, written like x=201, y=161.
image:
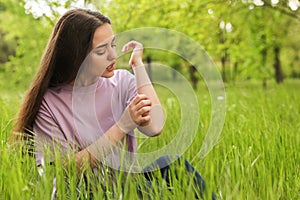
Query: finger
x=143, y=110
x=136, y=46
x=128, y=46
x=143, y=103
x=146, y=123
x=144, y=120
x=138, y=98
x=125, y=48
x=133, y=105
x=145, y=114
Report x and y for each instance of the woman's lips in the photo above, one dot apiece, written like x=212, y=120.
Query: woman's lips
x=110, y=67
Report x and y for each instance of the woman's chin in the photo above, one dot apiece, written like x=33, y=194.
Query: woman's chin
x=108, y=74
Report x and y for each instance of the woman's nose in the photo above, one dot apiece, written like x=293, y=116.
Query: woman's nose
x=112, y=54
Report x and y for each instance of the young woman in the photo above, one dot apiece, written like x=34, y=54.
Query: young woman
x=79, y=102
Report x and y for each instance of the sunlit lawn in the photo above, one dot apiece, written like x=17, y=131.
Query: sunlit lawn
x=257, y=156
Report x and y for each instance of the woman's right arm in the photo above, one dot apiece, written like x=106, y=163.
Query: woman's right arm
x=99, y=148
x=134, y=115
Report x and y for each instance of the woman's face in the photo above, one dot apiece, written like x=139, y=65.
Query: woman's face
x=103, y=56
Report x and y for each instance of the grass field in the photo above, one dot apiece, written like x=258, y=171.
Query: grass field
x=257, y=156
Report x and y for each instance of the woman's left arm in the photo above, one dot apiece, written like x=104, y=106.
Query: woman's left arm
x=144, y=86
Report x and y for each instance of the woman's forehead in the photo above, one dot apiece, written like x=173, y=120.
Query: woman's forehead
x=102, y=34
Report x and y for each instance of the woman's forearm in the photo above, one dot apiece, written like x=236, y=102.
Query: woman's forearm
x=143, y=83
x=97, y=150
x=144, y=86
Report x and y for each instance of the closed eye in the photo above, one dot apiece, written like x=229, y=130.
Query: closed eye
x=100, y=47
x=100, y=53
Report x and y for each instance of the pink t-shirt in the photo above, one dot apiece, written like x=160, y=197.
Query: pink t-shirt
x=75, y=117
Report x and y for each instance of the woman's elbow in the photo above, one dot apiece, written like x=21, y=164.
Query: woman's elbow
x=151, y=130
x=156, y=130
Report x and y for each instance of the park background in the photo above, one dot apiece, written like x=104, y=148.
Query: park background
x=254, y=43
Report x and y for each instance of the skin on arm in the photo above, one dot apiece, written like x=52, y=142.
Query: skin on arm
x=136, y=111
x=144, y=86
x=109, y=139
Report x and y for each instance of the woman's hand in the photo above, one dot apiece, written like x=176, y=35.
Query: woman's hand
x=137, y=113
x=137, y=53
x=139, y=109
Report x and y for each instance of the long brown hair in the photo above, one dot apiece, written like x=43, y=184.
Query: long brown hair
x=69, y=43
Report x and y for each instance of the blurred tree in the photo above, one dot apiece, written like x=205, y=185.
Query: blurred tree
x=237, y=34
x=257, y=37
x=30, y=35
x=277, y=21
x=247, y=39
x=7, y=48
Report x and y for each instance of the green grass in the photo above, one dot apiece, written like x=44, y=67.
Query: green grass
x=257, y=156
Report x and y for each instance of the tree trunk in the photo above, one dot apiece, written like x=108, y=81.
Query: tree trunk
x=193, y=77
x=176, y=68
x=277, y=65
x=264, y=53
x=148, y=59
x=223, y=61
x=235, y=69
x=223, y=55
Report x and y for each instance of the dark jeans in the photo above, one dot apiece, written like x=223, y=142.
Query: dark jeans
x=165, y=167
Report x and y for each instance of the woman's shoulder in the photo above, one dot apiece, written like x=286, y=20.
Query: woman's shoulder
x=121, y=76
x=55, y=95
x=120, y=73
x=54, y=91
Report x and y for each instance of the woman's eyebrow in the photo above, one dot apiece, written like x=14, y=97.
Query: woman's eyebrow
x=102, y=45
x=105, y=44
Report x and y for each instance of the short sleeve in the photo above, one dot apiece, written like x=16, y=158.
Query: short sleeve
x=124, y=92
x=47, y=135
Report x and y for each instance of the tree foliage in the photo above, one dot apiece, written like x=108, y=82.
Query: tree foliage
x=244, y=46
x=30, y=35
x=240, y=36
